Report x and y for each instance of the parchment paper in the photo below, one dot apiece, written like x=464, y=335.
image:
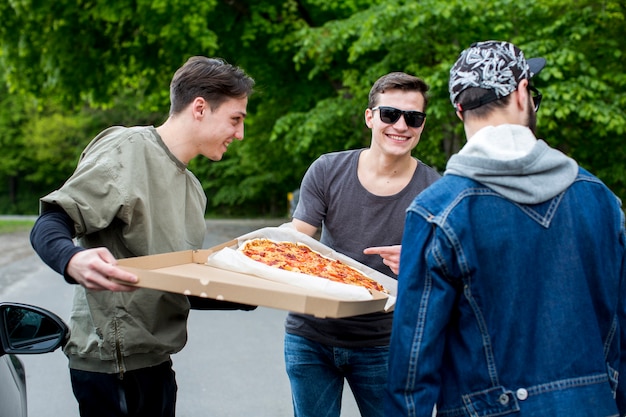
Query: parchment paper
x=233, y=260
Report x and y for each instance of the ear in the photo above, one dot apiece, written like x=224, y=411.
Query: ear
x=369, y=115
x=199, y=107
x=522, y=94
x=459, y=115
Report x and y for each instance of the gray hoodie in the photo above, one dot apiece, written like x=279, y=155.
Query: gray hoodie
x=511, y=161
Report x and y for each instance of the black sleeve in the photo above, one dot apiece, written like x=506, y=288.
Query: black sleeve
x=201, y=303
x=52, y=239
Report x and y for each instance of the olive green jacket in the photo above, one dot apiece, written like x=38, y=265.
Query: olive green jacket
x=131, y=195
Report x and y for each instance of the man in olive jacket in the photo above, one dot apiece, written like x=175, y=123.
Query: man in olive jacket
x=132, y=195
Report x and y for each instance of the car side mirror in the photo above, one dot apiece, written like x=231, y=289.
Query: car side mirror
x=27, y=329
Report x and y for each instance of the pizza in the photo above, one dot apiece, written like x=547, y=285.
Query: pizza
x=298, y=257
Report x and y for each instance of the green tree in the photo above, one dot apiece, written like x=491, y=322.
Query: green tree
x=314, y=62
x=132, y=49
x=583, y=85
x=94, y=51
x=259, y=172
x=16, y=156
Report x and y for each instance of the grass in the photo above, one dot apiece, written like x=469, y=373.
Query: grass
x=12, y=226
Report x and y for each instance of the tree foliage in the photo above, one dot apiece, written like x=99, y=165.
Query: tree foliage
x=314, y=62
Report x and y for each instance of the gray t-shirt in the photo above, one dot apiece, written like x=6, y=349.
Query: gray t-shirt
x=352, y=219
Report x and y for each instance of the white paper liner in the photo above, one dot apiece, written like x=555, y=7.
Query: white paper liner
x=233, y=260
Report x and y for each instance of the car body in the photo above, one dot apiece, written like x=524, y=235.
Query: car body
x=24, y=330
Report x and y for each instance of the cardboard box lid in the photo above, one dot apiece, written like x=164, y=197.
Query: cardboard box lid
x=186, y=272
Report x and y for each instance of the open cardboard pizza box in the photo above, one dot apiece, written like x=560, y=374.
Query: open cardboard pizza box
x=223, y=273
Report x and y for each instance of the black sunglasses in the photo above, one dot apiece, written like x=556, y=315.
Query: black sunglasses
x=390, y=115
x=536, y=96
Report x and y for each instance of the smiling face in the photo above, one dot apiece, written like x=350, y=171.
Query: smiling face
x=220, y=127
x=395, y=139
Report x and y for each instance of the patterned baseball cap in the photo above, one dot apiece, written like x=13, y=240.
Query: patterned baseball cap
x=493, y=65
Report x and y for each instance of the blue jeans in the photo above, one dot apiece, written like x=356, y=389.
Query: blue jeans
x=317, y=371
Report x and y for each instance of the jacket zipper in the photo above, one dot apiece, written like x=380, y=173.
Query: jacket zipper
x=118, y=351
x=120, y=361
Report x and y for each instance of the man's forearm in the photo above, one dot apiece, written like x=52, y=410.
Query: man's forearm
x=52, y=239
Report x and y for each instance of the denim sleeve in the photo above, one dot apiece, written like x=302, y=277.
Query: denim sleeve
x=51, y=237
x=425, y=299
x=621, y=386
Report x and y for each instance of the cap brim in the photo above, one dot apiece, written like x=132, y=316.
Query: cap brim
x=536, y=65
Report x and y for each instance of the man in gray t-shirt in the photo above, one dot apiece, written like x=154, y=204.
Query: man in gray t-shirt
x=358, y=198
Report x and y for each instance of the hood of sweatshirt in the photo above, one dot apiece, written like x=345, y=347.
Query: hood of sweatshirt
x=511, y=161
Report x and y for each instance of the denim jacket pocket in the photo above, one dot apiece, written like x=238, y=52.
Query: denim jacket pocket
x=492, y=402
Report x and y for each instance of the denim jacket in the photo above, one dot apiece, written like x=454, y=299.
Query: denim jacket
x=511, y=308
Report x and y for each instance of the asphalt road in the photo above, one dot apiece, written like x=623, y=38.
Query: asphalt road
x=232, y=365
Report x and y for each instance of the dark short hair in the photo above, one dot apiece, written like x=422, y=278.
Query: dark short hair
x=474, y=94
x=210, y=78
x=397, y=81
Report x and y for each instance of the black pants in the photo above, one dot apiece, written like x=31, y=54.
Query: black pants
x=147, y=392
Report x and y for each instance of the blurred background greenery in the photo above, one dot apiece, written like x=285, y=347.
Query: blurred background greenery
x=15, y=225
x=69, y=68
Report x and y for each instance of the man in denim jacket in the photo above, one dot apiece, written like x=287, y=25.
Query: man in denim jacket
x=511, y=286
